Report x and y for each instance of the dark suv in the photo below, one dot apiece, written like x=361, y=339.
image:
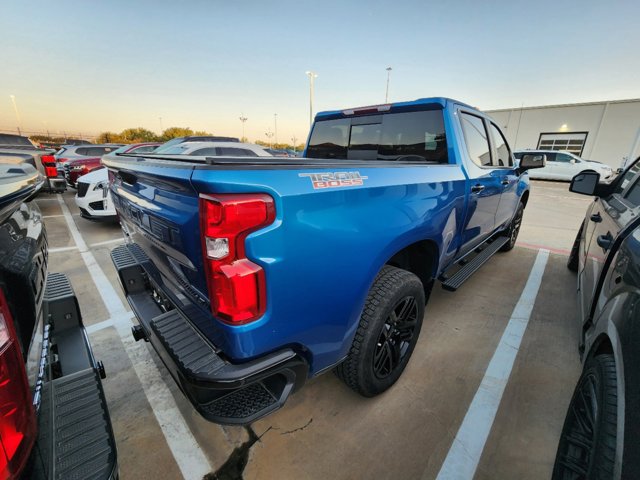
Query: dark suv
x=16, y=149
x=54, y=421
x=602, y=427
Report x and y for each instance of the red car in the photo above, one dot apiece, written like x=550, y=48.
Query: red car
x=80, y=160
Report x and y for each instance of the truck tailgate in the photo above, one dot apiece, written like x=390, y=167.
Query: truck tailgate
x=158, y=209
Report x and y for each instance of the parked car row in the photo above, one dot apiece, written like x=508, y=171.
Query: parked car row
x=93, y=197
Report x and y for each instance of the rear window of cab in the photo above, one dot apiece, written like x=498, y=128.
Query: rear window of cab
x=408, y=136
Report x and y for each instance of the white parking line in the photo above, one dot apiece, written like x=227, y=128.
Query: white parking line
x=62, y=249
x=464, y=454
x=52, y=216
x=190, y=458
x=108, y=242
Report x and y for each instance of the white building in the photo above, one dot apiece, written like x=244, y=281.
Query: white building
x=603, y=131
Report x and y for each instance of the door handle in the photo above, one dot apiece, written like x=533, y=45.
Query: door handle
x=605, y=241
x=596, y=217
x=505, y=181
x=477, y=188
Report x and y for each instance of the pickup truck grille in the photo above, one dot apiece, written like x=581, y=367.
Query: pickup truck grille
x=82, y=189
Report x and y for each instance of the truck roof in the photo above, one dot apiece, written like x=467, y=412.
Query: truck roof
x=367, y=110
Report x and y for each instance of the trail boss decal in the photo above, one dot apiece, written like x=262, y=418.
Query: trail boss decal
x=334, y=179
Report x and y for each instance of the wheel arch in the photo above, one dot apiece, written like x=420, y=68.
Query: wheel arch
x=601, y=345
x=525, y=197
x=419, y=258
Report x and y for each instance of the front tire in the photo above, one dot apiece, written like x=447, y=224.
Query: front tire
x=388, y=331
x=587, y=445
x=514, y=229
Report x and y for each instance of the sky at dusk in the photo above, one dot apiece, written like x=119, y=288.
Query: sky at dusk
x=93, y=66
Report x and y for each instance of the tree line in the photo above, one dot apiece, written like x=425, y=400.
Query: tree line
x=142, y=135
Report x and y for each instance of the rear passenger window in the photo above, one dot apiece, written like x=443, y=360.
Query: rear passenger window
x=330, y=139
x=633, y=194
x=205, y=151
x=94, y=151
x=404, y=136
x=502, y=148
x=145, y=149
x=81, y=151
x=628, y=176
x=235, y=152
x=475, y=136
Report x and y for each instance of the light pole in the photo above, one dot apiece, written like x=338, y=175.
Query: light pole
x=15, y=108
x=275, y=124
x=294, y=140
x=243, y=119
x=386, y=95
x=269, y=135
x=312, y=76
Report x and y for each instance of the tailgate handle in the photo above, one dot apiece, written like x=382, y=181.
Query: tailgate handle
x=127, y=177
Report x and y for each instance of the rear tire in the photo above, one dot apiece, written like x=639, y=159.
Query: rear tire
x=387, y=333
x=572, y=263
x=587, y=446
x=514, y=229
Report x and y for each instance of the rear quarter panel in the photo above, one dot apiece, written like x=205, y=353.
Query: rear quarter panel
x=326, y=246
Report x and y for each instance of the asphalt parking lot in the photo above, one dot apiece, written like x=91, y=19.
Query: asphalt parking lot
x=421, y=428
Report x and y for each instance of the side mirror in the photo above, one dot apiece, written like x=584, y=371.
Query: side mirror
x=619, y=170
x=530, y=160
x=585, y=183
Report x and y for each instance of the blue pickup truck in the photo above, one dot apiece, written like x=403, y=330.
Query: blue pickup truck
x=250, y=275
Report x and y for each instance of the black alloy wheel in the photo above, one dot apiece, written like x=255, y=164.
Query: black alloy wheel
x=387, y=332
x=588, y=442
x=514, y=229
x=395, y=338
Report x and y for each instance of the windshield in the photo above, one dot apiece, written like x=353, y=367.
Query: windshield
x=417, y=136
x=173, y=149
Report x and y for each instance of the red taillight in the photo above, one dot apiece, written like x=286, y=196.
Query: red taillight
x=237, y=286
x=17, y=416
x=49, y=163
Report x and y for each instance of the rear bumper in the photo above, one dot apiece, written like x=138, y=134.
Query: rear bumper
x=55, y=185
x=221, y=391
x=75, y=438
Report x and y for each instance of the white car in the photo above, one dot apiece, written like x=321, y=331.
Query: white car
x=215, y=149
x=563, y=165
x=93, y=197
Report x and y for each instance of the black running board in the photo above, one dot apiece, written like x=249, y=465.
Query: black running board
x=471, y=266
